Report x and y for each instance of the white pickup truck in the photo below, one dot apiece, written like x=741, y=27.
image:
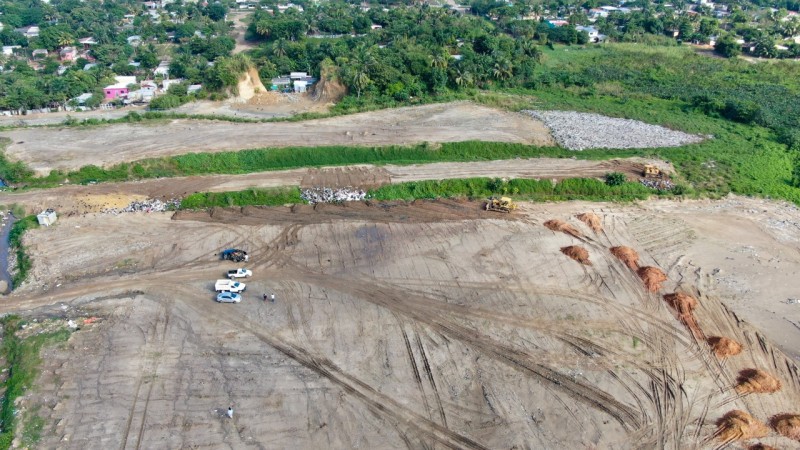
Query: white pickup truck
x=229, y=286
x=239, y=273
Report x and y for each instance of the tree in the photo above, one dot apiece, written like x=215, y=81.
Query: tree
x=616, y=178
x=728, y=47
x=503, y=69
x=765, y=47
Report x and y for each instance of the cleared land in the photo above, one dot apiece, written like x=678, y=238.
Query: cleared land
x=72, y=148
x=432, y=324
x=92, y=198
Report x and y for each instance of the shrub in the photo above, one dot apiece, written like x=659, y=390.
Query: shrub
x=615, y=178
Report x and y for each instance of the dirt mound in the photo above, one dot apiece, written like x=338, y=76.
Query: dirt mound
x=577, y=253
x=724, y=347
x=592, y=221
x=250, y=85
x=558, y=225
x=328, y=89
x=682, y=303
x=737, y=425
x=627, y=255
x=761, y=446
x=757, y=381
x=787, y=425
x=652, y=277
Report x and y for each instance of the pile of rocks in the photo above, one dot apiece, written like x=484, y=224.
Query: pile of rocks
x=328, y=195
x=579, y=131
x=151, y=205
x=661, y=185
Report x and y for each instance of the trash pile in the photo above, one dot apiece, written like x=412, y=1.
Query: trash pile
x=660, y=184
x=328, y=195
x=579, y=131
x=150, y=205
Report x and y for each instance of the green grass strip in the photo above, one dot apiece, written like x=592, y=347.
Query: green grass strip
x=24, y=262
x=22, y=362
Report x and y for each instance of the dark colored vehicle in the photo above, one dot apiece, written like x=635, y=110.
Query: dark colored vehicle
x=234, y=254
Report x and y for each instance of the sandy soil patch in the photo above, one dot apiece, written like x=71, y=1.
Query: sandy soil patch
x=430, y=324
x=71, y=148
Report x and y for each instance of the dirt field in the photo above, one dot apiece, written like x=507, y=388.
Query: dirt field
x=430, y=325
x=68, y=200
x=71, y=148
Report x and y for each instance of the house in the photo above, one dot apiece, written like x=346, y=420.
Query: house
x=87, y=42
x=375, y=26
x=39, y=53
x=29, y=32
x=194, y=88
x=594, y=34
x=61, y=70
x=83, y=98
x=68, y=54
x=120, y=88
x=162, y=69
x=298, y=75
x=149, y=85
x=300, y=86
x=47, y=217
x=89, y=66
x=557, y=23
x=140, y=96
x=280, y=83
x=8, y=50
x=167, y=83
x=134, y=40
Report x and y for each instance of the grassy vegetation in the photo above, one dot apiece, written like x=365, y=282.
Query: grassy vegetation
x=22, y=361
x=266, y=197
x=15, y=245
x=535, y=190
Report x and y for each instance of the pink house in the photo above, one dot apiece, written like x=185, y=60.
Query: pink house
x=68, y=54
x=118, y=89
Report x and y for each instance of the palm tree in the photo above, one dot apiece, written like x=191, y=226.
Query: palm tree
x=463, y=78
x=503, y=69
x=358, y=77
x=439, y=60
x=263, y=28
x=279, y=48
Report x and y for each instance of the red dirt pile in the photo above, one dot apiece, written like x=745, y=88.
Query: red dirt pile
x=737, y=425
x=682, y=303
x=757, y=381
x=591, y=220
x=652, y=277
x=627, y=255
x=761, y=446
x=724, y=347
x=577, y=253
x=557, y=225
x=787, y=425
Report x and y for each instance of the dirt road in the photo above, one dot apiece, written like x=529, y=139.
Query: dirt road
x=72, y=148
x=92, y=198
x=431, y=325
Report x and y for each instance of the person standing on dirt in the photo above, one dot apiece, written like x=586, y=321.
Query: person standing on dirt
x=272, y=298
x=230, y=412
x=265, y=296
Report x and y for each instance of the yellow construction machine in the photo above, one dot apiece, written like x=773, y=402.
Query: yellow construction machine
x=652, y=171
x=500, y=204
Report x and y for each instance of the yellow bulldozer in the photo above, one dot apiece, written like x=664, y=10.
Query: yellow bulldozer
x=500, y=204
x=652, y=171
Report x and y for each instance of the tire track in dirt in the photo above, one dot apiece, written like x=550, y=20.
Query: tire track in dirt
x=388, y=408
x=428, y=371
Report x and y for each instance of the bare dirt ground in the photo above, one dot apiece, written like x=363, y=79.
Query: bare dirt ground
x=70, y=200
x=240, y=22
x=72, y=148
x=425, y=325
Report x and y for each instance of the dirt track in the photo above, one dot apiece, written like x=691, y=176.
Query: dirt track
x=72, y=148
x=428, y=325
x=93, y=198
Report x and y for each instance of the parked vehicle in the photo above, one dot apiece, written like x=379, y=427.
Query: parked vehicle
x=234, y=254
x=229, y=285
x=229, y=297
x=240, y=273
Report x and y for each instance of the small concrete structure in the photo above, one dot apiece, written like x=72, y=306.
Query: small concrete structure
x=47, y=217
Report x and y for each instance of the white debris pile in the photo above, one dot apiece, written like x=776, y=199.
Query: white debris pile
x=150, y=205
x=579, y=131
x=662, y=185
x=329, y=195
